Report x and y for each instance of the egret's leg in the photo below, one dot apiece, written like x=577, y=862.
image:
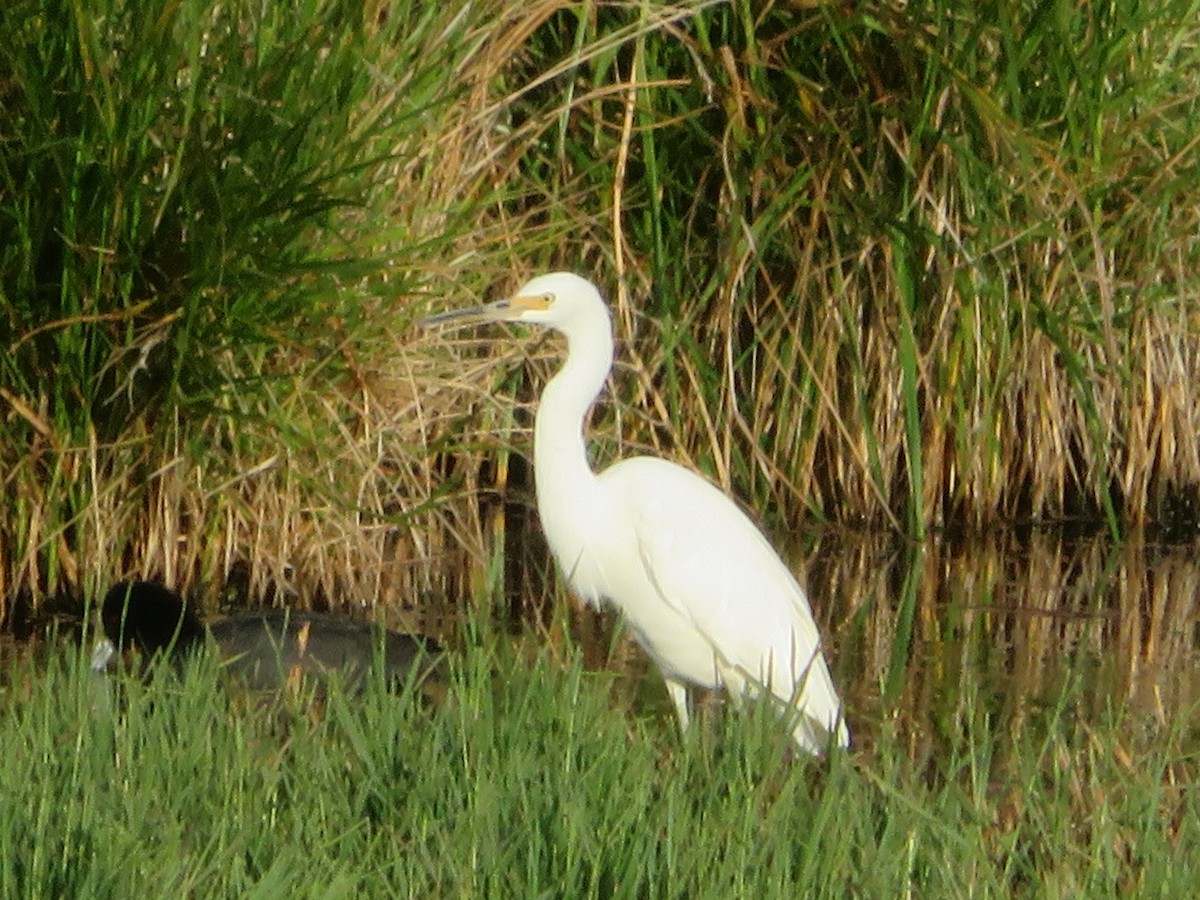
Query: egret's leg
x=677, y=690
x=736, y=686
x=810, y=737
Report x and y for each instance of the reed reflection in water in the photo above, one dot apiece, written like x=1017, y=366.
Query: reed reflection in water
x=925, y=636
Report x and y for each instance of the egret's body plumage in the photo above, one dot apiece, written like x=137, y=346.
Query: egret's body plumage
x=703, y=591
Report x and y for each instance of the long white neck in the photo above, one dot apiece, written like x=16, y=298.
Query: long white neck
x=560, y=460
x=568, y=494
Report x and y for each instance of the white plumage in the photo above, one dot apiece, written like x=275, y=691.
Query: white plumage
x=705, y=594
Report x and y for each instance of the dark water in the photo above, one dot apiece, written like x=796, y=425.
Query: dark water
x=922, y=636
x=924, y=632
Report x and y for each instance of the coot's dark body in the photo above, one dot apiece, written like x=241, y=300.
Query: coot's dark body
x=267, y=648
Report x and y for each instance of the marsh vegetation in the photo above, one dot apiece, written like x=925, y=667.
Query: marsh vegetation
x=919, y=281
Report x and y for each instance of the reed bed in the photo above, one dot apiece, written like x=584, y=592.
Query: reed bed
x=910, y=267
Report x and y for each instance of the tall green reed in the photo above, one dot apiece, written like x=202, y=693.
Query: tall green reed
x=200, y=219
x=530, y=779
x=873, y=246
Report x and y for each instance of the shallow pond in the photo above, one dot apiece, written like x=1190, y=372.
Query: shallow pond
x=923, y=636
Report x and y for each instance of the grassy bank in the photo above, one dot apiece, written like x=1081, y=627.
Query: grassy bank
x=909, y=269
x=527, y=782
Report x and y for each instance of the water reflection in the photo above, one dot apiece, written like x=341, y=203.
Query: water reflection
x=920, y=632
x=923, y=637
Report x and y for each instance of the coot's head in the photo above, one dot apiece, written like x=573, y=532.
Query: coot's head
x=149, y=617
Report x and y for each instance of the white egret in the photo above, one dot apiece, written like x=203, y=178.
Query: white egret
x=705, y=594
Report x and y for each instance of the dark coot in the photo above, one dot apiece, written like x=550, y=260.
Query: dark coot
x=266, y=648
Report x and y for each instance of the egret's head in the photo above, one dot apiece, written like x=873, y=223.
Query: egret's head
x=560, y=300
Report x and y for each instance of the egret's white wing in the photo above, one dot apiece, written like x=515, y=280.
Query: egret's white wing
x=709, y=563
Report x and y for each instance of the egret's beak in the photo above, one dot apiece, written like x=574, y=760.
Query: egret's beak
x=508, y=310
x=500, y=311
